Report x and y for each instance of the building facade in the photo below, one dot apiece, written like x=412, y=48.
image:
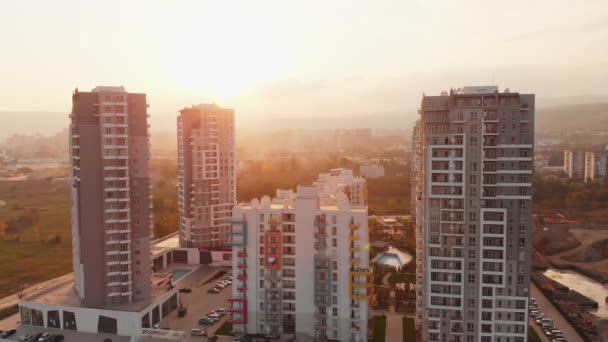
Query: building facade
x=574, y=163
x=371, y=171
x=473, y=196
x=320, y=287
x=111, y=201
x=595, y=166
x=207, y=175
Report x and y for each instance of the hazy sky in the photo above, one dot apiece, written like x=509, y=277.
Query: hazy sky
x=269, y=58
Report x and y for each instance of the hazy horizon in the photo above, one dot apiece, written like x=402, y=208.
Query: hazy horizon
x=281, y=59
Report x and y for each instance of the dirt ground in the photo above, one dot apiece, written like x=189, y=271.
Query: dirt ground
x=578, y=246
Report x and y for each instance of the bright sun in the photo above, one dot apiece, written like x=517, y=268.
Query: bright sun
x=225, y=58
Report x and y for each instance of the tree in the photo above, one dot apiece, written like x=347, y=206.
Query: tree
x=21, y=291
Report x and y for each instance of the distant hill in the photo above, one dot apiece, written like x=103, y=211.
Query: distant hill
x=573, y=116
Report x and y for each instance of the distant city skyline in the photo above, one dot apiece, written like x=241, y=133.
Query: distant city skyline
x=307, y=59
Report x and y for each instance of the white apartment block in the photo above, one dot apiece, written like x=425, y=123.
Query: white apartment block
x=595, y=165
x=207, y=175
x=474, y=152
x=574, y=163
x=320, y=287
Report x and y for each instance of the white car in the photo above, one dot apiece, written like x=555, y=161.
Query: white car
x=198, y=332
x=214, y=316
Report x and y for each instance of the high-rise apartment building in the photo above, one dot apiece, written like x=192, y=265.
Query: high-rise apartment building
x=207, y=175
x=474, y=155
x=574, y=163
x=111, y=205
x=595, y=165
x=320, y=287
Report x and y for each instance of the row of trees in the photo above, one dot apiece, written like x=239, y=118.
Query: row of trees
x=557, y=193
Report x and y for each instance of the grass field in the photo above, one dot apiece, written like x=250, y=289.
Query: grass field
x=409, y=330
x=379, y=328
x=37, y=244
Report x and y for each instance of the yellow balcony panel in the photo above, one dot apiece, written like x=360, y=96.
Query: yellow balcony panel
x=354, y=226
x=354, y=238
x=361, y=285
x=353, y=296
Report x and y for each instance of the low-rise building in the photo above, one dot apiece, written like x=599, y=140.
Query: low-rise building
x=371, y=171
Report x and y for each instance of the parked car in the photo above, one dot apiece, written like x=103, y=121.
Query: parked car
x=8, y=333
x=214, y=316
x=206, y=321
x=57, y=338
x=35, y=337
x=221, y=311
x=185, y=290
x=25, y=337
x=156, y=326
x=198, y=332
x=213, y=290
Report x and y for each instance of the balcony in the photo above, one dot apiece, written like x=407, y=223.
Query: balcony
x=320, y=235
x=320, y=246
x=242, y=254
x=242, y=266
x=354, y=238
x=354, y=226
x=241, y=277
x=242, y=289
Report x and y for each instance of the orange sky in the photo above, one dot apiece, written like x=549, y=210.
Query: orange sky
x=271, y=58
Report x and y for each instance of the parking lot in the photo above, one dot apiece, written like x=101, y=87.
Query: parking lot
x=198, y=303
x=551, y=312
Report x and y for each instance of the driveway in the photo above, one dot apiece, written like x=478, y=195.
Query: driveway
x=199, y=302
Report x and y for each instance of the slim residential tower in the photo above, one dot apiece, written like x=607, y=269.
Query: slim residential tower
x=473, y=207
x=207, y=175
x=111, y=206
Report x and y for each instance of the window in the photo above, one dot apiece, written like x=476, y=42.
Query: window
x=472, y=215
x=471, y=279
x=334, y=311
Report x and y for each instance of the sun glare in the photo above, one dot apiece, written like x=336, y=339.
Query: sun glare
x=223, y=59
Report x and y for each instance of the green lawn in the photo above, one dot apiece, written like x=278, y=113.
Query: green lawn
x=224, y=329
x=379, y=328
x=534, y=335
x=409, y=330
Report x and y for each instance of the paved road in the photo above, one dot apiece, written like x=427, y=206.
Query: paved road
x=394, y=327
x=551, y=312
